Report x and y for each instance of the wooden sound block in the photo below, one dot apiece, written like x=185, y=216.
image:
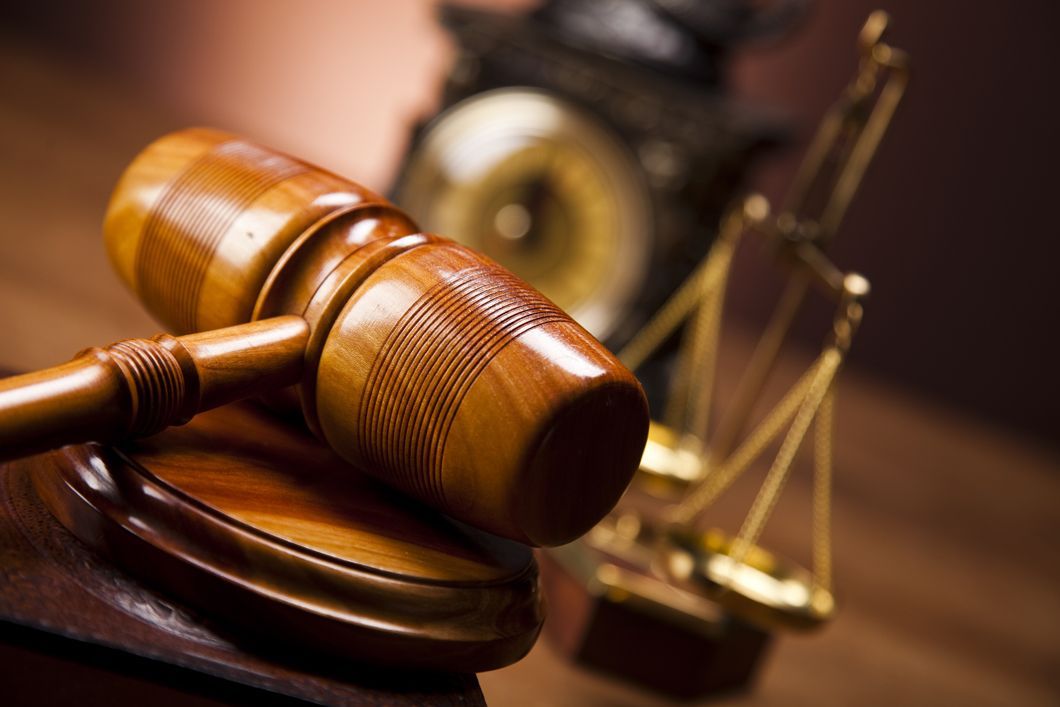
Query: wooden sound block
x=250, y=520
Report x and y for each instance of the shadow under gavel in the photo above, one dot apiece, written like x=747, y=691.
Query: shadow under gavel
x=416, y=359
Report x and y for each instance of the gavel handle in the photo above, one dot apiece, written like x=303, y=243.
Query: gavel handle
x=139, y=387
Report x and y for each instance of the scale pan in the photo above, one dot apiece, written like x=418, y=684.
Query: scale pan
x=763, y=589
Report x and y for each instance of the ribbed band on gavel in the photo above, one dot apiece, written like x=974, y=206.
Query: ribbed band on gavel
x=427, y=365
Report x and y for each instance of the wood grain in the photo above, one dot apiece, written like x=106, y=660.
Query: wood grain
x=65, y=610
x=138, y=387
x=199, y=219
x=476, y=394
x=252, y=521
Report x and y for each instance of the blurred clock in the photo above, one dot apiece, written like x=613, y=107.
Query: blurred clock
x=588, y=147
x=538, y=184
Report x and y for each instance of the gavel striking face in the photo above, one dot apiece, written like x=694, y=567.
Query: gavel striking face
x=415, y=359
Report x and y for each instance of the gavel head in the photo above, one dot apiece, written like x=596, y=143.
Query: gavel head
x=428, y=365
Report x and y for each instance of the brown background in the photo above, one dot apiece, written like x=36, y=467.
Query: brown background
x=945, y=503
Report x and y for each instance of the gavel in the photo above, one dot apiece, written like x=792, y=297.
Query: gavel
x=417, y=360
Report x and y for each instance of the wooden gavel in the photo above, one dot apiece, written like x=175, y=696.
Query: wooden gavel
x=416, y=359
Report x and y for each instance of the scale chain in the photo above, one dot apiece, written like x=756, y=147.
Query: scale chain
x=778, y=474
x=718, y=479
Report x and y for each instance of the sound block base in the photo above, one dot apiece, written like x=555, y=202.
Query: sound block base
x=253, y=523
x=631, y=626
x=75, y=629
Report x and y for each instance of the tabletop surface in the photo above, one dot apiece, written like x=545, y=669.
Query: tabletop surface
x=947, y=563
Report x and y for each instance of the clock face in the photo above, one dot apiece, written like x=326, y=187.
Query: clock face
x=544, y=189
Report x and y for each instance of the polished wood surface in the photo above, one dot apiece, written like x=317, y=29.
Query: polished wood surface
x=199, y=219
x=75, y=629
x=422, y=362
x=139, y=387
x=255, y=522
x=482, y=399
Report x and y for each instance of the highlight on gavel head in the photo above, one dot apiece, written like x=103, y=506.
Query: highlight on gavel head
x=428, y=365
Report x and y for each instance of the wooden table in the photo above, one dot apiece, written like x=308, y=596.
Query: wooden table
x=947, y=560
x=947, y=570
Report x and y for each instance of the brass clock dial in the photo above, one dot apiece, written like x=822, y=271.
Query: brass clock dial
x=544, y=189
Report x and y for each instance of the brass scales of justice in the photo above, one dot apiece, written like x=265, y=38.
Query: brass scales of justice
x=650, y=572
